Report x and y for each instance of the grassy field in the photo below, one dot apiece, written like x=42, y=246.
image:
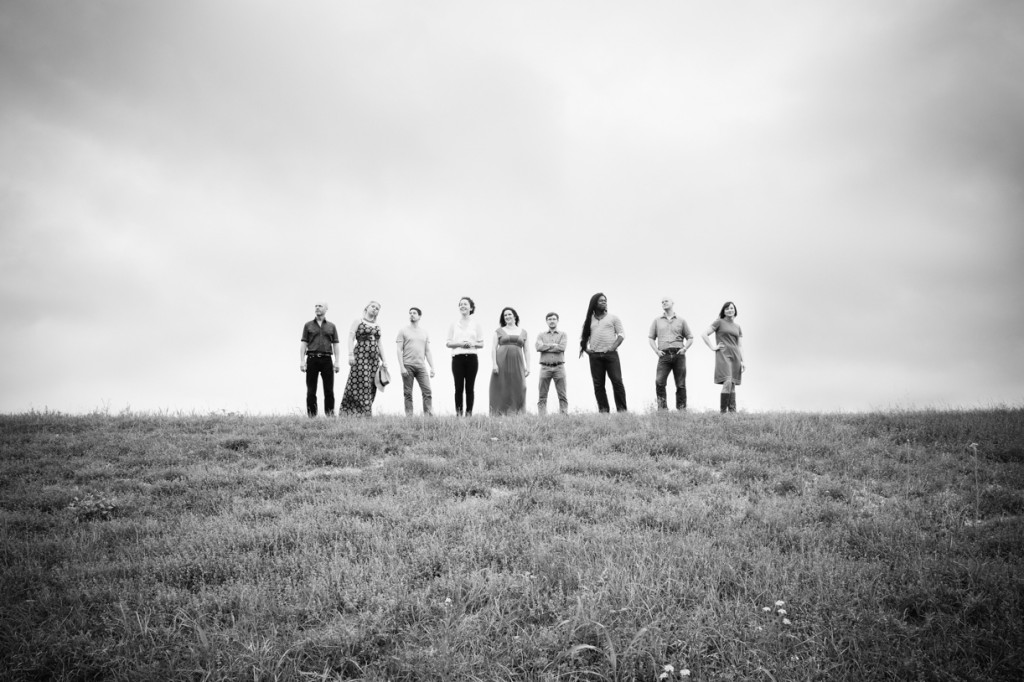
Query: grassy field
x=588, y=547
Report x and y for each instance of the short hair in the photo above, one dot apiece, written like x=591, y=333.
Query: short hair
x=472, y=306
x=721, y=313
x=554, y=315
x=418, y=311
x=501, y=318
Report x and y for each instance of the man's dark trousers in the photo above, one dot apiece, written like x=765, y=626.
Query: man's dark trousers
x=602, y=365
x=324, y=367
x=675, y=362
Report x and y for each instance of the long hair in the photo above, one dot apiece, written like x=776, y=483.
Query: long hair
x=501, y=318
x=721, y=313
x=585, y=334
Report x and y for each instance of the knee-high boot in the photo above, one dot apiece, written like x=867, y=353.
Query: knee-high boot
x=725, y=402
x=732, y=401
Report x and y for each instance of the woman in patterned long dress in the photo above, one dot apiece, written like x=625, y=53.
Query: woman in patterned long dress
x=728, y=349
x=510, y=357
x=365, y=354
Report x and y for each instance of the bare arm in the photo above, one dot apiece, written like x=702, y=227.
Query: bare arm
x=707, y=340
x=494, y=353
x=352, y=343
x=401, y=359
x=430, y=359
x=526, y=355
x=302, y=355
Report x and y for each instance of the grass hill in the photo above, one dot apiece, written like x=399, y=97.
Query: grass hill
x=587, y=547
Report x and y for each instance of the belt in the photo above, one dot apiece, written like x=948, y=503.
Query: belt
x=552, y=364
x=318, y=355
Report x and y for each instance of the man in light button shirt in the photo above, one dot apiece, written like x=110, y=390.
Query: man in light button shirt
x=551, y=346
x=670, y=337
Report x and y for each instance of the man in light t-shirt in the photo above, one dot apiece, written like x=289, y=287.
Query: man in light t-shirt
x=413, y=359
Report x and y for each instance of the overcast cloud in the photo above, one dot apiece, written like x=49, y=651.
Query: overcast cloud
x=180, y=182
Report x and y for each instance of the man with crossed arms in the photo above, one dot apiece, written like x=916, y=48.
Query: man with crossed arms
x=551, y=346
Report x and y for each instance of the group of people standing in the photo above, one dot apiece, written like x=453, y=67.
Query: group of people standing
x=602, y=333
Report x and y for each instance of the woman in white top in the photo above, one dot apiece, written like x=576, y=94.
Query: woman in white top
x=465, y=338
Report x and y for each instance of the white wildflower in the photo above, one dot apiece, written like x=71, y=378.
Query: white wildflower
x=781, y=612
x=766, y=609
x=787, y=621
x=780, y=603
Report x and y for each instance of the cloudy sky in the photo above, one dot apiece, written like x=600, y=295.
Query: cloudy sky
x=181, y=181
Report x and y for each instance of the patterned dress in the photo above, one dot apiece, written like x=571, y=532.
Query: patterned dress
x=508, y=386
x=360, y=389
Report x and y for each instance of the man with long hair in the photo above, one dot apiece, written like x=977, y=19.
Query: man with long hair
x=601, y=336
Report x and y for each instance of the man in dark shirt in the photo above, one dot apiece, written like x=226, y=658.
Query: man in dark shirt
x=319, y=342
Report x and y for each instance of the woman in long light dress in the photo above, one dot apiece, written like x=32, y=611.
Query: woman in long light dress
x=510, y=358
x=728, y=347
x=365, y=354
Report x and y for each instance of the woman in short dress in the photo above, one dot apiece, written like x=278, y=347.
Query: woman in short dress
x=465, y=338
x=365, y=354
x=510, y=358
x=728, y=349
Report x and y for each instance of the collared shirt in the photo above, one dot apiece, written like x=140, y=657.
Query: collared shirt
x=669, y=331
x=603, y=332
x=552, y=338
x=319, y=338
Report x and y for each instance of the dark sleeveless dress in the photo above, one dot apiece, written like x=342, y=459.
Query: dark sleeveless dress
x=508, y=386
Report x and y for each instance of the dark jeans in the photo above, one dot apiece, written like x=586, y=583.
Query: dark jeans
x=464, y=368
x=420, y=375
x=324, y=368
x=602, y=364
x=675, y=363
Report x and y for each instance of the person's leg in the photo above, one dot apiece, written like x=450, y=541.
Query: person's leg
x=618, y=388
x=679, y=374
x=597, y=373
x=563, y=397
x=542, y=390
x=472, y=365
x=726, y=395
x=327, y=375
x=459, y=372
x=311, y=377
x=661, y=379
x=407, y=380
